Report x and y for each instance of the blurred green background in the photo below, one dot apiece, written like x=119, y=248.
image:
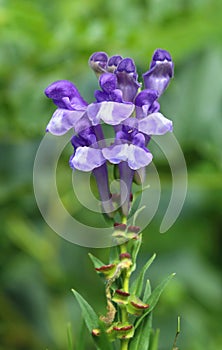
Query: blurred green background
x=43, y=41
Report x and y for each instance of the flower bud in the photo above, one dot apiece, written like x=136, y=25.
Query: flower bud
x=98, y=62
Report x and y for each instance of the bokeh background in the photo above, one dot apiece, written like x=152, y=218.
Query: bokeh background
x=42, y=41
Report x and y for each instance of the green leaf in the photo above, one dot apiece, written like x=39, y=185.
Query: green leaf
x=137, y=285
x=135, y=250
x=80, y=341
x=113, y=254
x=147, y=291
x=92, y=322
x=89, y=315
x=141, y=339
x=96, y=262
x=69, y=336
x=154, y=340
x=136, y=203
x=154, y=297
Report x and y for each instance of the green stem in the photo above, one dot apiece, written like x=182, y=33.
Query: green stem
x=124, y=344
x=125, y=286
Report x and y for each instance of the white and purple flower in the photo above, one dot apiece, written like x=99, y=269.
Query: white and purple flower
x=133, y=113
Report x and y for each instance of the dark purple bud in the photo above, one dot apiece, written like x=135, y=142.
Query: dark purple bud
x=160, y=72
x=160, y=55
x=126, y=65
x=98, y=62
x=127, y=79
x=113, y=63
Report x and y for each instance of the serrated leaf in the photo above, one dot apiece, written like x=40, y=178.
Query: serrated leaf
x=154, y=297
x=137, y=285
x=141, y=339
x=96, y=262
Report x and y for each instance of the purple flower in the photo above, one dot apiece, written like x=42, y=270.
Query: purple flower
x=127, y=79
x=88, y=157
x=160, y=73
x=134, y=114
x=112, y=113
x=113, y=63
x=98, y=62
x=130, y=153
x=130, y=147
x=87, y=154
x=149, y=120
x=71, y=107
x=108, y=84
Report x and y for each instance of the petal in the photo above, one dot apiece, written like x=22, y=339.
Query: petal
x=82, y=124
x=160, y=55
x=138, y=157
x=64, y=92
x=101, y=96
x=155, y=124
x=108, y=82
x=146, y=97
x=112, y=113
x=116, y=96
x=127, y=79
x=131, y=123
x=146, y=103
x=116, y=153
x=63, y=120
x=87, y=159
x=139, y=140
x=160, y=73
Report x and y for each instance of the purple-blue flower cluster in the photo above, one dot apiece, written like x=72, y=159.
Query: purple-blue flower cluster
x=121, y=102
